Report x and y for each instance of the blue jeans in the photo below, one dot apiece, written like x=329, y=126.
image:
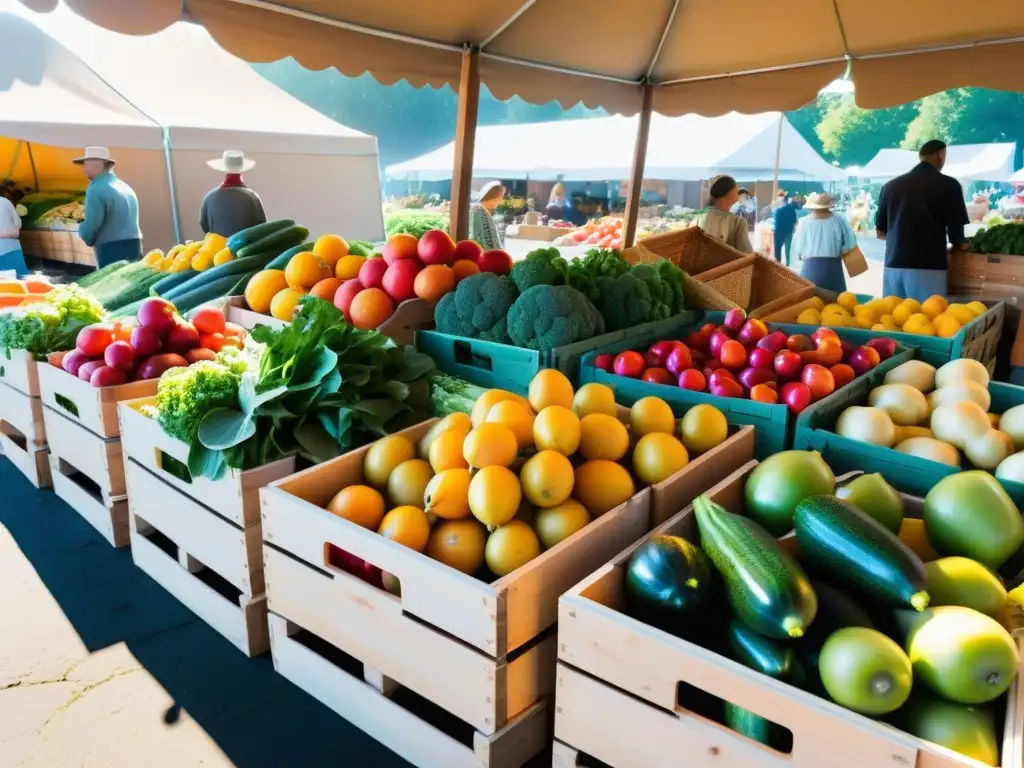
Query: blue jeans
x=118, y=250
x=916, y=284
x=14, y=260
x=783, y=243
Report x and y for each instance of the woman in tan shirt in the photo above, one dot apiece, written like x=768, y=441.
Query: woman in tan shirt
x=719, y=222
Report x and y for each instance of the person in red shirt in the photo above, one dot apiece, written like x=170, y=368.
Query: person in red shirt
x=232, y=206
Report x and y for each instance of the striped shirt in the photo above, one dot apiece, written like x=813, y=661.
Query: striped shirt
x=483, y=229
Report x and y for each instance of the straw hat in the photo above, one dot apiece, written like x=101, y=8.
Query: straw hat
x=95, y=153
x=232, y=161
x=818, y=202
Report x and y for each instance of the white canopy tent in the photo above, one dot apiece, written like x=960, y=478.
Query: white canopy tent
x=685, y=148
x=965, y=162
x=165, y=104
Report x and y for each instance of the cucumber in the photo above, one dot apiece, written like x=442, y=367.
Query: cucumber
x=282, y=261
x=237, y=268
x=252, y=234
x=172, y=281
x=758, y=652
x=765, y=586
x=668, y=581
x=858, y=551
x=754, y=727
x=281, y=239
x=204, y=293
x=238, y=289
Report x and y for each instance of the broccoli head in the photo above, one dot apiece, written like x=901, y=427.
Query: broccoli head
x=584, y=273
x=673, y=277
x=625, y=301
x=549, y=316
x=661, y=292
x=477, y=308
x=544, y=266
x=185, y=395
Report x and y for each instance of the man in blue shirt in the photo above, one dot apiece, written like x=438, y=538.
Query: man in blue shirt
x=111, y=224
x=916, y=213
x=784, y=224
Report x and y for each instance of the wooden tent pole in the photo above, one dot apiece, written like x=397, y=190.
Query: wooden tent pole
x=465, y=139
x=636, y=173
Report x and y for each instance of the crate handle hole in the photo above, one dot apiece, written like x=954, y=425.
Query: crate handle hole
x=464, y=355
x=704, y=704
x=337, y=559
x=67, y=404
x=173, y=467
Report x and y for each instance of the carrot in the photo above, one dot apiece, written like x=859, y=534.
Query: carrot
x=12, y=286
x=37, y=285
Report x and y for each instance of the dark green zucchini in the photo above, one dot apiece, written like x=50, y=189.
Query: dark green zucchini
x=204, y=293
x=172, y=281
x=668, y=580
x=754, y=727
x=280, y=240
x=282, y=261
x=767, y=656
x=252, y=234
x=238, y=267
x=859, y=552
x=766, y=587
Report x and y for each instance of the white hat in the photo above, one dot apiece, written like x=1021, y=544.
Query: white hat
x=486, y=188
x=818, y=202
x=232, y=161
x=95, y=153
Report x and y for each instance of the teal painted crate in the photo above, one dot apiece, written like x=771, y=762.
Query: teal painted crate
x=774, y=424
x=488, y=364
x=910, y=474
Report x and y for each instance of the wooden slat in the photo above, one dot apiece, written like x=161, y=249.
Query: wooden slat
x=465, y=141
x=636, y=173
x=24, y=413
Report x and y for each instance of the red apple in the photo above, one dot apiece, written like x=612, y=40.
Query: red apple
x=796, y=395
x=774, y=342
x=105, y=376
x=693, y=379
x=120, y=355
x=823, y=331
x=753, y=331
x=760, y=357
x=605, y=362
x=371, y=274
x=658, y=376
x=157, y=314
x=847, y=348
x=496, y=261
x=751, y=377
x=698, y=358
x=153, y=367
x=718, y=338
x=467, y=249
x=885, y=348
x=787, y=364
x=734, y=319
x=182, y=337
x=436, y=247
x=145, y=341
x=864, y=359
x=629, y=364
x=679, y=359
x=345, y=294
x=94, y=339
x=799, y=343
x=724, y=385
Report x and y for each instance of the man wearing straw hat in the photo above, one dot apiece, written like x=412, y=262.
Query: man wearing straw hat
x=111, y=223
x=232, y=206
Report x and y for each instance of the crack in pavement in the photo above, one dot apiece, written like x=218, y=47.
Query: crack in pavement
x=31, y=683
x=80, y=694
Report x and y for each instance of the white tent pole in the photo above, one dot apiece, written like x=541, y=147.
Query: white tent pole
x=175, y=215
x=778, y=158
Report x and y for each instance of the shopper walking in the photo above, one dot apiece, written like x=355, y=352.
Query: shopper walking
x=11, y=255
x=719, y=221
x=111, y=224
x=783, y=225
x=232, y=206
x=916, y=214
x=821, y=240
x=481, y=216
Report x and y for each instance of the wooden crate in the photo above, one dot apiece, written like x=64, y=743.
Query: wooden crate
x=237, y=311
x=396, y=717
x=24, y=413
x=986, y=276
x=210, y=564
x=88, y=474
x=633, y=674
x=18, y=370
x=234, y=497
x=29, y=459
x=95, y=408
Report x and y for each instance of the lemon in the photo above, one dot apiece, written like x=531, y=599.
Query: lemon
x=651, y=414
x=511, y=546
x=809, y=317
x=833, y=318
x=603, y=437
x=906, y=308
x=945, y=325
x=602, y=485
x=888, y=322
x=447, y=494
x=490, y=444
x=846, y=299
x=494, y=495
x=446, y=452
x=383, y=456
x=830, y=308
x=702, y=428
x=658, y=456
x=960, y=312
x=920, y=324
x=594, y=398
x=546, y=479
x=550, y=387
x=488, y=399
x=408, y=481
x=977, y=308
x=452, y=422
x=815, y=302
x=934, y=306
x=517, y=417
x=557, y=428
x=555, y=524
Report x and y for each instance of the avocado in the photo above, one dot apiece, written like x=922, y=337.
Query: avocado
x=873, y=496
x=970, y=514
x=782, y=481
x=959, y=653
x=968, y=730
x=966, y=582
x=865, y=671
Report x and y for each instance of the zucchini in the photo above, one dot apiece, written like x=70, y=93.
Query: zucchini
x=204, y=293
x=765, y=586
x=235, y=268
x=282, y=261
x=754, y=727
x=96, y=276
x=238, y=289
x=172, y=281
x=860, y=552
x=279, y=240
x=668, y=580
x=252, y=234
x=758, y=652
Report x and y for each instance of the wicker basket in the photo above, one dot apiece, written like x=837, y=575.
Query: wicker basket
x=758, y=284
x=691, y=249
x=702, y=296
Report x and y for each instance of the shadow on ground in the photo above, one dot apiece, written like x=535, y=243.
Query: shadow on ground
x=256, y=717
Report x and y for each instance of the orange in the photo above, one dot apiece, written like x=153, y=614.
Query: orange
x=433, y=282
x=550, y=387
x=331, y=249
x=594, y=398
x=447, y=494
x=459, y=544
x=490, y=445
x=285, y=302
x=408, y=481
x=657, y=457
x=445, y=451
x=494, y=495
x=370, y=307
x=262, y=287
x=557, y=429
x=547, y=478
x=401, y=246
x=558, y=523
x=359, y=504
x=458, y=422
x=945, y=325
x=602, y=485
x=511, y=546
x=517, y=417
x=348, y=267
x=305, y=270
x=406, y=525
x=326, y=288
x=484, y=403
x=463, y=268
x=651, y=414
x=603, y=437
x=934, y=306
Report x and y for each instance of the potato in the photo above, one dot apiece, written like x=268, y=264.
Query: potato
x=962, y=390
x=916, y=373
x=962, y=369
x=905, y=405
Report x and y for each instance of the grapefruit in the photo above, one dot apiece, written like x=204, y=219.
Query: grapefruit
x=370, y=308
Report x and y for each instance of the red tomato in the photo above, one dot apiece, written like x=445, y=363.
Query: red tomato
x=208, y=320
x=658, y=376
x=819, y=380
x=733, y=354
x=93, y=340
x=629, y=364
x=212, y=341
x=693, y=379
x=843, y=374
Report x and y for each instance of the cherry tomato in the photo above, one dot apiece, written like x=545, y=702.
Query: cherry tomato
x=843, y=374
x=212, y=341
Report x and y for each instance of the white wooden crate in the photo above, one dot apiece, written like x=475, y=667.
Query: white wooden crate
x=18, y=369
x=24, y=413
x=31, y=460
x=95, y=408
x=216, y=568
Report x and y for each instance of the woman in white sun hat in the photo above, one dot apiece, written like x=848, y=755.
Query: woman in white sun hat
x=232, y=206
x=821, y=241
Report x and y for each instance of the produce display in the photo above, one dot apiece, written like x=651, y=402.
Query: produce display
x=905, y=627
x=519, y=475
x=17, y=293
x=1002, y=238
x=52, y=210
x=158, y=339
x=741, y=358
x=933, y=317
x=546, y=301
x=605, y=232
x=120, y=287
x=49, y=325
